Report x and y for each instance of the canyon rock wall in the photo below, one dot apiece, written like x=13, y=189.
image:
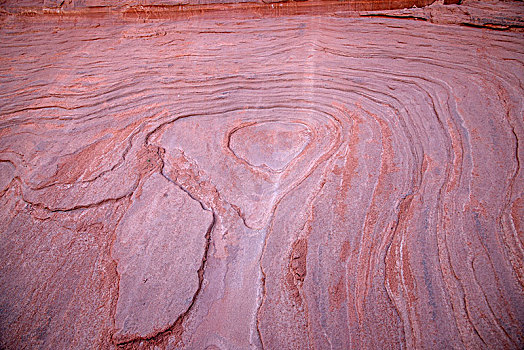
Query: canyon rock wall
x=219, y=179
x=36, y=6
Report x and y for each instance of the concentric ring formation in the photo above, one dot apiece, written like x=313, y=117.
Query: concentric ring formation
x=286, y=183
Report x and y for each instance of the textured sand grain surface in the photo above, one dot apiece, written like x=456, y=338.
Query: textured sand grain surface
x=238, y=177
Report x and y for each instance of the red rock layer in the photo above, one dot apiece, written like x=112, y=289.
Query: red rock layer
x=170, y=8
x=291, y=182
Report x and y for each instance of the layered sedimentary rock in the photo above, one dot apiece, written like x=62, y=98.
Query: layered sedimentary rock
x=152, y=7
x=317, y=180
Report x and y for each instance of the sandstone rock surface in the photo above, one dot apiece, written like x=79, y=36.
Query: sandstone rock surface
x=160, y=244
x=304, y=178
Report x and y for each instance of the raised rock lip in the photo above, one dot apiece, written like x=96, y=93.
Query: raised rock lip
x=275, y=165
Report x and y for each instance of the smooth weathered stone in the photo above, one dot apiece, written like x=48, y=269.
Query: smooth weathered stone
x=159, y=247
x=298, y=175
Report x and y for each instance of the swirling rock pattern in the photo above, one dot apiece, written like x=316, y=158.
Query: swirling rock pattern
x=314, y=181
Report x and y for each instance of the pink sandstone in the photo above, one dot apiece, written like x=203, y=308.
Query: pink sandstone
x=252, y=175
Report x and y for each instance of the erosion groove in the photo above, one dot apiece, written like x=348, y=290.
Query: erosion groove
x=298, y=175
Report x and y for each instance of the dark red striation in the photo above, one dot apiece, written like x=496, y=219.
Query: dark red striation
x=292, y=175
x=151, y=7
